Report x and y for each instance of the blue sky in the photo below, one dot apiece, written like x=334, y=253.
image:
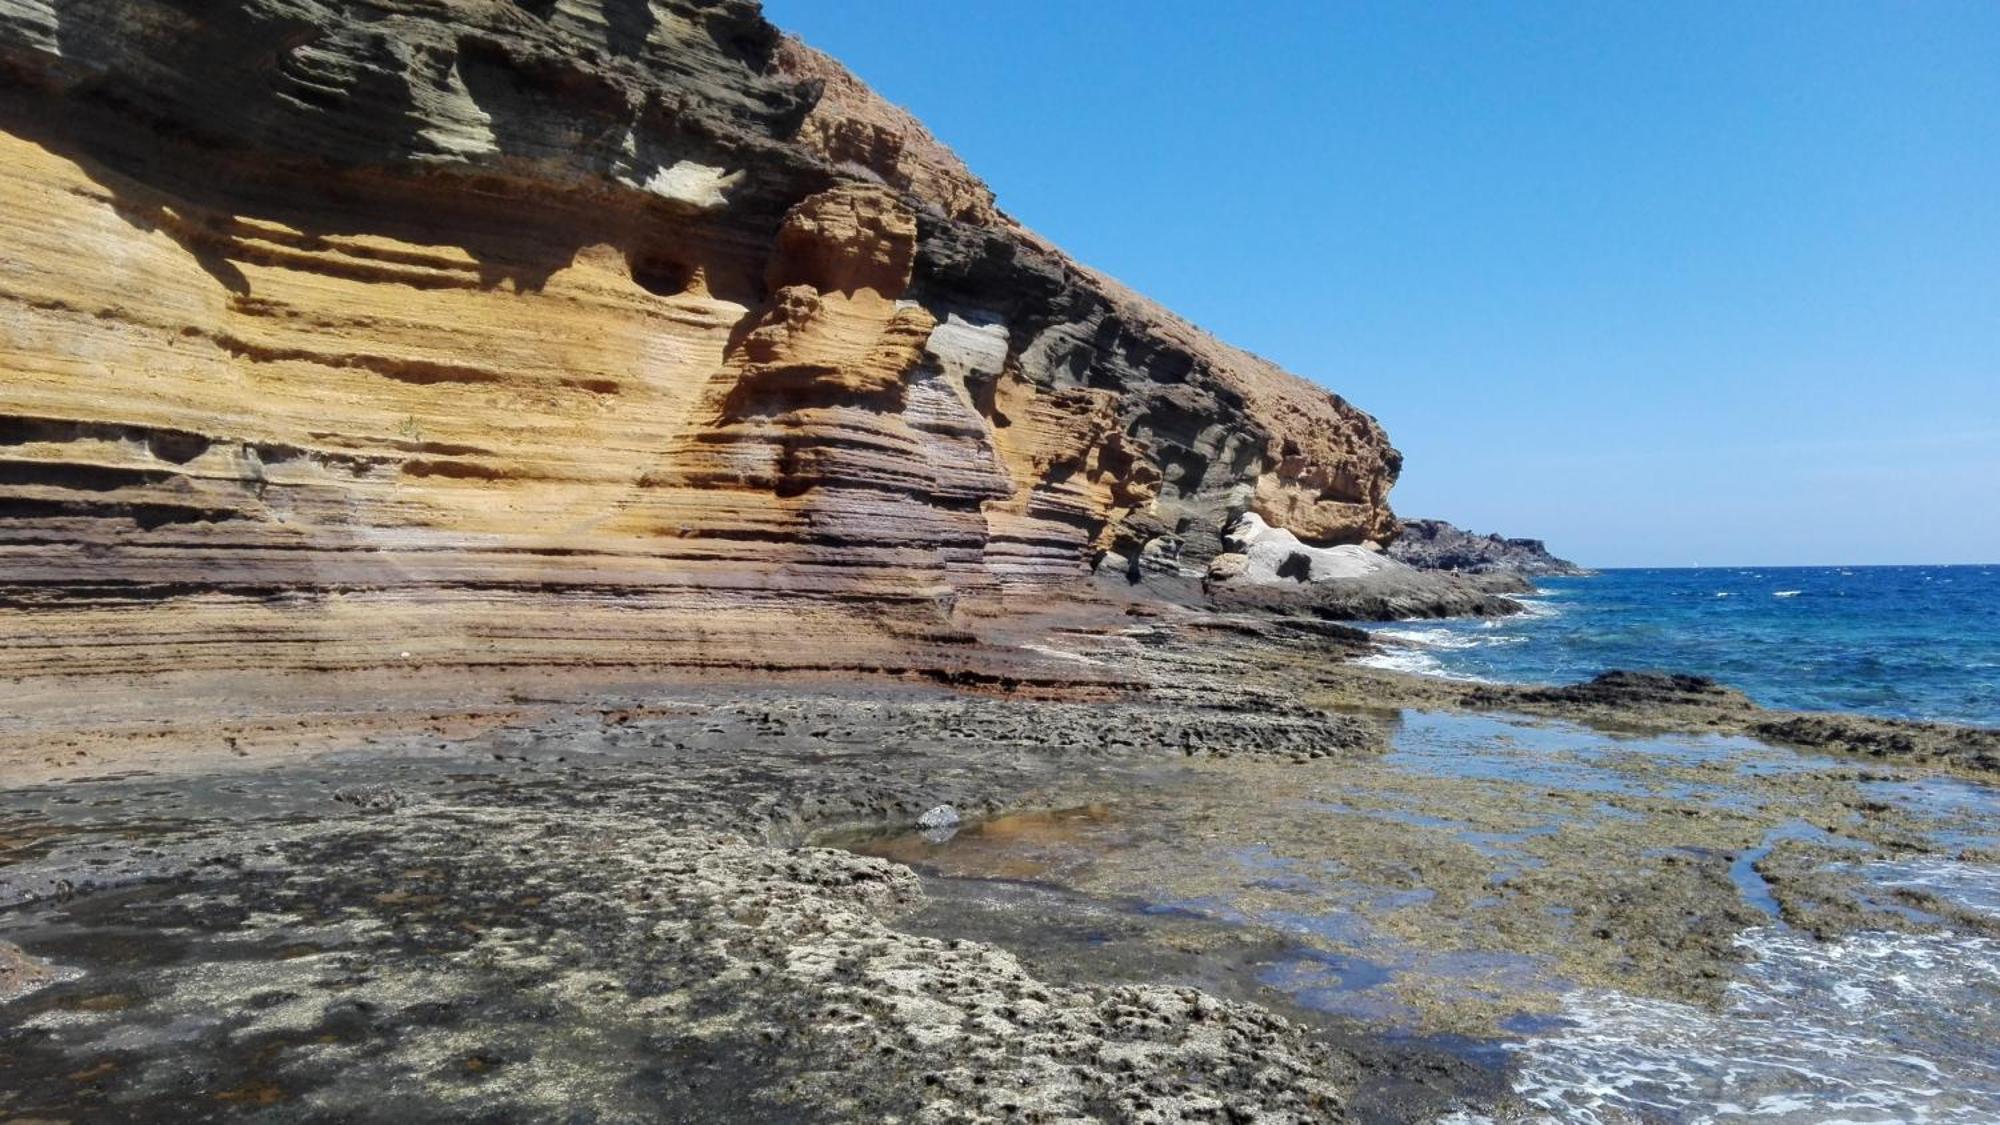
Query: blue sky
x=1665, y=284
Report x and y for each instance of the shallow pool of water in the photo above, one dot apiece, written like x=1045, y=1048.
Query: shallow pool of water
x=1869, y=1027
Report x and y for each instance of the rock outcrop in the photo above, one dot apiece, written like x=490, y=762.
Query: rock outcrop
x=528, y=334
x=1269, y=568
x=1259, y=552
x=1437, y=545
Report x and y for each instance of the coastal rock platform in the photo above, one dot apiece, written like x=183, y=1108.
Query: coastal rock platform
x=671, y=898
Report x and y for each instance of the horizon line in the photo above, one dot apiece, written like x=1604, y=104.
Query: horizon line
x=1783, y=566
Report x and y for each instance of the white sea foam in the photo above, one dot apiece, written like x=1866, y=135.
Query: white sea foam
x=1965, y=885
x=1403, y=660
x=1724, y=594
x=1414, y=660
x=1436, y=637
x=1874, y=1027
x=1538, y=609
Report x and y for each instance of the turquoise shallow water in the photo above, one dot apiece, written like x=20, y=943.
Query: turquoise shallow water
x=1908, y=641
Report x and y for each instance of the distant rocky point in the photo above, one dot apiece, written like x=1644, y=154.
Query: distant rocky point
x=1437, y=545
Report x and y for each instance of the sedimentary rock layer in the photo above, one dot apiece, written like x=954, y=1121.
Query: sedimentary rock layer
x=513, y=333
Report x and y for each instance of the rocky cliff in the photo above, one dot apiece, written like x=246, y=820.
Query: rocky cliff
x=558, y=331
x=1437, y=545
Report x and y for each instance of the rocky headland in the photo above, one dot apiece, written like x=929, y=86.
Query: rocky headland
x=1437, y=545
x=516, y=517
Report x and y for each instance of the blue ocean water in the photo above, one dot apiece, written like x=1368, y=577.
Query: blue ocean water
x=1908, y=641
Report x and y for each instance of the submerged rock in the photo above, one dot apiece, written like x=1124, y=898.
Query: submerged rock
x=1678, y=700
x=1975, y=748
x=1619, y=687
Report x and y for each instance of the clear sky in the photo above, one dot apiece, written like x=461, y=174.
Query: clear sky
x=1665, y=284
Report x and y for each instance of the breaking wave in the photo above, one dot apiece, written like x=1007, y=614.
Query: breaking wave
x=1437, y=637
x=1417, y=661
x=1879, y=640
x=1874, y=1027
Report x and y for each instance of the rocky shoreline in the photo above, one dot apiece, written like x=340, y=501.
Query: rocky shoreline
x=629, y=906
x=544, y=504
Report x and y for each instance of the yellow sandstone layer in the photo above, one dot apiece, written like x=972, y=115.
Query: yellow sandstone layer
x=491, y=336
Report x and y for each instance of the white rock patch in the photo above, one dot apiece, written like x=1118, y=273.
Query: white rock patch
x=1273, y=554
x=699, y=186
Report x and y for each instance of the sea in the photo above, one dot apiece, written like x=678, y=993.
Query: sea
x=1874, y=1026
x=1919, y=642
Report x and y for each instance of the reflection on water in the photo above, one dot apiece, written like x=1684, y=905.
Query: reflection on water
x=1872, y=1027
x=1315, y=904
x=1045, y=846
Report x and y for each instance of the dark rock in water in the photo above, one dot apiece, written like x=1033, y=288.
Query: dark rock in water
x=1679, y=701
x=1971, y=747
x=1437, y=545
x=1619, y=687
x=1626, y=697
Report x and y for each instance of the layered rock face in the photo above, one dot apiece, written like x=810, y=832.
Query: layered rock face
x=491, y=333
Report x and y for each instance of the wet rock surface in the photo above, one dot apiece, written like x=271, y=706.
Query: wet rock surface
x=1670, y=701
x=611, y=914
x=1272, y=881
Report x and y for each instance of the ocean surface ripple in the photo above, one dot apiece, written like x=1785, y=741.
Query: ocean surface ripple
x=1917, y=642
